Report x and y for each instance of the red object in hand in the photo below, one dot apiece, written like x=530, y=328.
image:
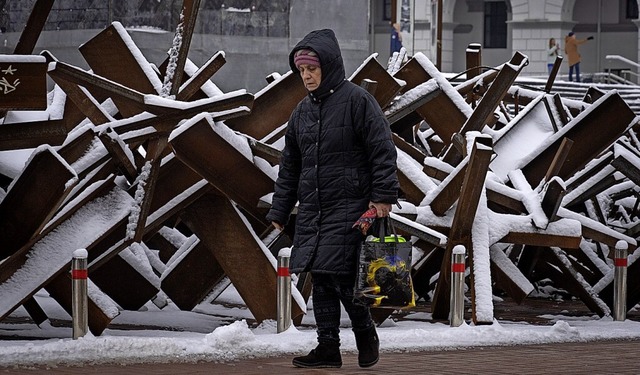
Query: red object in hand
x=366, y=220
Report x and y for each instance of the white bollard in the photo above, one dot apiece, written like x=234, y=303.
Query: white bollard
x=283, y=306
x=80, y=315
x=620, y=281
x=456, y=305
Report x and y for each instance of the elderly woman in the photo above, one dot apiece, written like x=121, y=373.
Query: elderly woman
x=339, y=160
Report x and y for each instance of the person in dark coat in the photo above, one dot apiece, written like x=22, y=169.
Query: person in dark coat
x=396, y=38
x=338, y=161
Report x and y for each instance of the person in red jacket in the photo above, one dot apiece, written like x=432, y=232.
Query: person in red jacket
x=571, y=44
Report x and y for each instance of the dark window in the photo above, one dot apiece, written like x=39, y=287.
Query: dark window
x=386, y=16
x=495, y=24
x=632, y=9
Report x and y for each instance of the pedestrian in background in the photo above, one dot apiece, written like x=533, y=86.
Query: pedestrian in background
x=552, y=53
x=338, y=161
x=571, y=44
x=396, y=38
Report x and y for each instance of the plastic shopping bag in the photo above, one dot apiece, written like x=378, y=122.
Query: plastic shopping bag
x=384, y=271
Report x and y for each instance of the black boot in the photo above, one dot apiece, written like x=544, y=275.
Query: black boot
x=368, y=347
x=325, y=355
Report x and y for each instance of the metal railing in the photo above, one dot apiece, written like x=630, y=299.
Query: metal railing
x=625, y=74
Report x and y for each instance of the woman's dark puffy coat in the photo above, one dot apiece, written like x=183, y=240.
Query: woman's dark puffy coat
x=338, y=156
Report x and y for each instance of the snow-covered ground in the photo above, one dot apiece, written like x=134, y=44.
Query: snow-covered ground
x=222, y=332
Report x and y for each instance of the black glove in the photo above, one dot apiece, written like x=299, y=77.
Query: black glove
x=590, y=38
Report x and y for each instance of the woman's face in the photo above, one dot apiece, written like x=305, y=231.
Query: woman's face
x=311, y=76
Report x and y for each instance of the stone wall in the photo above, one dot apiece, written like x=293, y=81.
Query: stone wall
x=256, y=36
x=228, y=17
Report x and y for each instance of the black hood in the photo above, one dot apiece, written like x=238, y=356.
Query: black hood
x=324, y=43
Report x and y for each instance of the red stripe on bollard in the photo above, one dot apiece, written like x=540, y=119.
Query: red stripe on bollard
x=620, y=262
x=457, y=267
x=79, y=274
x=283, y=272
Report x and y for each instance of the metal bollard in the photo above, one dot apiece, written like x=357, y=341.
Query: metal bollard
x=456, y=306
x=620, y=282
x=284, y=291
x=80, y=315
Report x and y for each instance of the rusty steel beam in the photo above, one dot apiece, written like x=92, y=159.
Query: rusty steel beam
x=110, y=56
x=501, y=273
x=441, y=112
x=60, y=290
x=627, y=167
x=174, y=179
x=554, y=72
x=166, y=248
x=403, y=119
x=560, y=110
x=408, y=148
x=24, y=83
x=474, y=60
x=592, y=133
x=425, y=269
x=83, y=100
x=386, y=86
x=147, y=183
x=33, y=199
x=598, y=232
x=477, y=85
x=121, y=281
x=411, y=191
x=72, y=114
x=219, y=225
x=542, y=238
x=449, y=191
x=593, y=93
x=552, y=199
x=224, y=107
x=25, y=135
x=184, y=32
x=272, y=107
x=573, y=279
x=75, y=236
x=35, y=311
x=118, y=92
x=116, y=149
x=603, y=183
x=193, y=277
x=206, y=71
x=460, y=233
x=265, y=151
x=220, y=163
x=559, y=158
x=633, y=287
x=33, y=28
x=489, y=102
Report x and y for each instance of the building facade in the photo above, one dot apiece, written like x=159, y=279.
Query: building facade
x=504, y=27
x=257, y=35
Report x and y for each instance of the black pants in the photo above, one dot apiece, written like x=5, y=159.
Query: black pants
x=328, y=292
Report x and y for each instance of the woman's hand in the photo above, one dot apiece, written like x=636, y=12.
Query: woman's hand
x=382, y=209
x=277, y=225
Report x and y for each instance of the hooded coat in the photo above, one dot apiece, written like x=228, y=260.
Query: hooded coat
x=338, y=156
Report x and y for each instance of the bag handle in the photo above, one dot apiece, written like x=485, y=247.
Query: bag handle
x=386, y=228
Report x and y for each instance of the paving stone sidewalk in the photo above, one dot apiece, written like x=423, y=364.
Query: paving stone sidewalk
x=601, y=357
